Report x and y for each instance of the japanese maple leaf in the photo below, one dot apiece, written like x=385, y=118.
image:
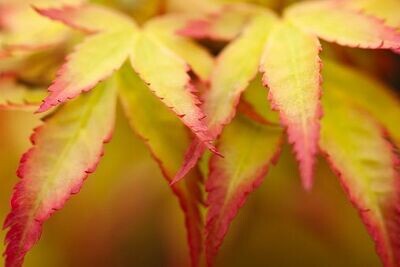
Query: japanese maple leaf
x=113, y=39
x=288, y=58
x=293, y=78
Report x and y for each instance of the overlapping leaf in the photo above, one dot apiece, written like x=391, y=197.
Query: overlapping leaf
x=248, y=148
x=90, y=62
x=165, y=28
x=368, y=168
x=253, y=103
x=120, y=39
x=291, y=68
x=330, y=21
x=65, y=150
x=167, y=139
x=229, y=79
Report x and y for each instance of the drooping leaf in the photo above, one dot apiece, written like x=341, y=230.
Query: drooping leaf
x=231, y=75
x=14, y=96
x=165, y=29
x=329, y=20
x=364, y=92
x=167, y=139
x=97, y=57
x=368, y=169
x=66, y=149
x=291, y=68
x=248, y=148
x=168, y=80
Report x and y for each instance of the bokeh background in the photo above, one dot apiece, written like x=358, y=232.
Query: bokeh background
x=126, y=215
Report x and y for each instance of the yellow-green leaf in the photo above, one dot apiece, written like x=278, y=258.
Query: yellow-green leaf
x=65, y=150
x=97, y=57
x=168, y=79
x=329, y=20
x=368, y=169
x=165, y=29
x=236, y=66
x=365, y=92
x=167, y=139
x=388, y=10
x=291, y=68
x=248, y=148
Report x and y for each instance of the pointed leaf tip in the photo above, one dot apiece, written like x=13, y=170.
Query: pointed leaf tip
x=294, y=80
x=244, y=143
x=56, y=166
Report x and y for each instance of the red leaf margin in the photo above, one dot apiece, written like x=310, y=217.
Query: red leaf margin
x=214, y=240
x=15, y=251
x=369, y=222
x=307, y=161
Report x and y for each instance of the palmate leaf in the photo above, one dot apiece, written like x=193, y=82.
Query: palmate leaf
x=165, y=73
x=360, y=89
x=66, y=149
x=293, y=78
x=167, y=139
x=248, y=148
x=90, y=62
x=229, y=79
x=329, y=20
x=368, y=169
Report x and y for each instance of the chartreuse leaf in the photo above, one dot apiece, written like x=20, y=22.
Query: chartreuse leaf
x=169, y=81
x=120, y=39
x=167, y=139
x=330, y=21
x=229, y=79
x=368, y=169
x=291, y=68
x=97, y=57
x=14, y=96
x=364, y=92
x=248, y=148
x=388, y=10
x=65, y=150
x=164, y=29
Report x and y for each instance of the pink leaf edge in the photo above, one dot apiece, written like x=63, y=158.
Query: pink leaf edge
x=15, y=221
x=305, y=156
x=389, y=259
x=217, y=228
